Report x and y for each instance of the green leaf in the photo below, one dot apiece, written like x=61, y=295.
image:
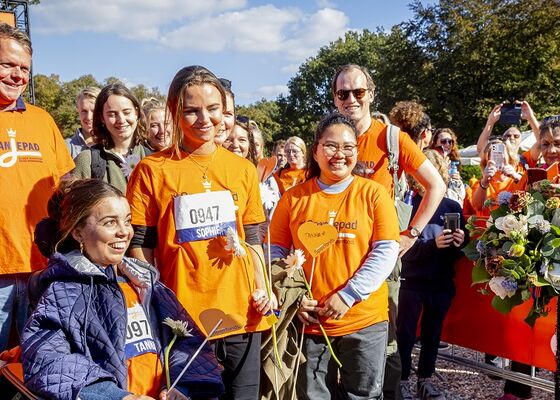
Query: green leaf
x=499, y=212
x=525, y=294
x=479, y=274
x=555, y=229
x=535, y=208
x=507, y=246
x=555, y=242
x=547, y=250
x=470, y=250
x=504, y=306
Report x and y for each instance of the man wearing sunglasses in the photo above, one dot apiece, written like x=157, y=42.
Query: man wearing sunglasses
x=353, y=91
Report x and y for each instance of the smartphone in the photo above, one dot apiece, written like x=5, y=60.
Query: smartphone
x=497, y=151
x=535, y=175
x=510, y=114
x=451, y=221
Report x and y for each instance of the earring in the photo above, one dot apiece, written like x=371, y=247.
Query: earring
x=81, y=248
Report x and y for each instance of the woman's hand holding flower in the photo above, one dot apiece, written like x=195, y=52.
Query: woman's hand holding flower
x=307, y=310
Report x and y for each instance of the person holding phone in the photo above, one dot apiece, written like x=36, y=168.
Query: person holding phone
x=500, y=172
x=427, y=286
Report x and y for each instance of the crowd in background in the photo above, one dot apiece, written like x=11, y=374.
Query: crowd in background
x=154, y=212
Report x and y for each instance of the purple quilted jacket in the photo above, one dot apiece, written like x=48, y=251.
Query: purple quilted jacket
x=76, y=335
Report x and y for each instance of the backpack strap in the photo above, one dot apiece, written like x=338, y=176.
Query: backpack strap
x=393, y=149
x=98, y=162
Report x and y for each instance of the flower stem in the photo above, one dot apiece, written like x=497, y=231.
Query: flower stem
x=327, y=341
x=167, y=351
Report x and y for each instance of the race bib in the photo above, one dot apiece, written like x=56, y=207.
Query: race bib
x=203, y=216
x=139, y=339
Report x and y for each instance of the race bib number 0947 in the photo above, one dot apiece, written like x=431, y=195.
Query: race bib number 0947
x=203, y=216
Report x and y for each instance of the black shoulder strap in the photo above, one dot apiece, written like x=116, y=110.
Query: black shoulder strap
x=98, y=163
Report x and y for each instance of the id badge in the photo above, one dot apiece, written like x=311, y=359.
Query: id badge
x=139, y=339
x=203, y=216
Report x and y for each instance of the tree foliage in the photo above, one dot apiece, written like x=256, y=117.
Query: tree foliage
x=457, y=57
x=59, y=98
x=267, y=115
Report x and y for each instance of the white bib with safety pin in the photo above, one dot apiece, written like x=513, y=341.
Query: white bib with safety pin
x=203, y=216
x=139, y=339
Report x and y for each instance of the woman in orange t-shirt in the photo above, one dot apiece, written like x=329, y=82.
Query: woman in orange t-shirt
x=183, y=201
x=495, y=178
x=350, y=296
x=294, y=172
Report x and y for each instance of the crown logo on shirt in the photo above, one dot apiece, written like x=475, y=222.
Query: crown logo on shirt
x=332, y=214
x=11, y=133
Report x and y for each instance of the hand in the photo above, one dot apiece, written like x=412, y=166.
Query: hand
x=489, y=171
x=334, y=307
x=138, y=397
x=527, y=112
x=262, y=303
x=174, y=394
x=307, y=310
x=458, y=237
x=455, y=177
x=494, y=115
x=405, y=244
x=444, y=239
x=509, y=170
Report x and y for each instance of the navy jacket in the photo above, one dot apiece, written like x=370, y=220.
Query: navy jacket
x=424, y=266
x=76, y=335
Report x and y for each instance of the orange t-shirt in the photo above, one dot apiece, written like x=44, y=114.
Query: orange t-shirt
x=373, y=156
x=33, y=158
x=289, y=177
x=202, y=273
x=144, y=366
x=364, y=214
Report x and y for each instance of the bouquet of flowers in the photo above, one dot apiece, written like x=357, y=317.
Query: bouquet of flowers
x=517, y=254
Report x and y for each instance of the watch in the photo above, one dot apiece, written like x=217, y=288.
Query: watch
x=413, y=231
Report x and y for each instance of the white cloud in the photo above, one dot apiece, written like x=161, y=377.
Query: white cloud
x=130, y=19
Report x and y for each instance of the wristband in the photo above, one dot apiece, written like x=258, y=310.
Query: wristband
x=482, y=186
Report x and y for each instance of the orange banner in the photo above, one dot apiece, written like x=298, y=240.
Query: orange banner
x=473, y=323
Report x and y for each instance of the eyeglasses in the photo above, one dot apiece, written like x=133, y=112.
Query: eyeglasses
x=293, y=151
x=331, y=149
x=344, y=94
x=446, y=141
x=508, y=136
x=243, y=119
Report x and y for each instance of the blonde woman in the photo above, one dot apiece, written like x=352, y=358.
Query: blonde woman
x=294, y=172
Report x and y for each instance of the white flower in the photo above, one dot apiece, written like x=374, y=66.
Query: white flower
x=541, y=224
x=510, y=223
x=179, y=328
x=295, y=261
x=551, y=274
x=503, y=287
x=233, y=244
x=269, y=197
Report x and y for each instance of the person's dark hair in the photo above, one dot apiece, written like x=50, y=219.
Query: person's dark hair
x=349, y=67
x=549, y=125
x=68, y=209
x=279, y=144
x=9, y=32
x=334, y=118
x=100, y=131
x=411, y=118
x=226, y=84
x=194, y=75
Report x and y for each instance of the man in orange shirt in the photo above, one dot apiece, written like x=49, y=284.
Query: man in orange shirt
x=33, y=157
x=353, y=91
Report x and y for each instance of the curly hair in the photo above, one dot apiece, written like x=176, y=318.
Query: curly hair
x=411, y=118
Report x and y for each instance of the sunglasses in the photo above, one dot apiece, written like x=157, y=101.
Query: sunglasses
x=446, y=141
x=344, y=94
x=242, y=119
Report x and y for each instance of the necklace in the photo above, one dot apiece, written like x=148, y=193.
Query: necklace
x=206, y=183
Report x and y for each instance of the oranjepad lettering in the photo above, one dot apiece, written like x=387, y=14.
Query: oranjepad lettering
x=339, y=225
x=16, y=150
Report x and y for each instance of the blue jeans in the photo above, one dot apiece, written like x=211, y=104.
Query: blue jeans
x=362, y=355
x=13, y=305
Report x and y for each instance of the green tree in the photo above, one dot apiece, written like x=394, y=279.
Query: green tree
x=266, y=114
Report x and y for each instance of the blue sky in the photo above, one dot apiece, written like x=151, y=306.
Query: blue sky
x=257, y=44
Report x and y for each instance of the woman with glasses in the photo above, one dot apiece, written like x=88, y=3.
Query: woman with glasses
x=350, y=297
x=294, y=172
x=445, y=142
x=195, y=208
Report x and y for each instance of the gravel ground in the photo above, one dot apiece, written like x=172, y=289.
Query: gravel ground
x=465, y=383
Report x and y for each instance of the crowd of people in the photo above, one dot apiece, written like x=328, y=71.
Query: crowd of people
x=147, y=237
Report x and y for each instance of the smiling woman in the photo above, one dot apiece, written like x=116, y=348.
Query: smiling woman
x=119, y=133
x=102, y=313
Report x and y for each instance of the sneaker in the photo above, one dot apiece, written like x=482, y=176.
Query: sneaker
x=406, y=393
x=427, y=391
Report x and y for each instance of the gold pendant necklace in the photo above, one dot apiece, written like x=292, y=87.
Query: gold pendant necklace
x=206, y=183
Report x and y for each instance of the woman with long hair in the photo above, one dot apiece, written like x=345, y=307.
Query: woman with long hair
x=119, y=133
x=98, y=330
x=444, y=141
x=196, y=209
x=158, y=125
x=350, y=296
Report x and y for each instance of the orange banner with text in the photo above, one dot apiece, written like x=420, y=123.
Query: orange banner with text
x=472, y=322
